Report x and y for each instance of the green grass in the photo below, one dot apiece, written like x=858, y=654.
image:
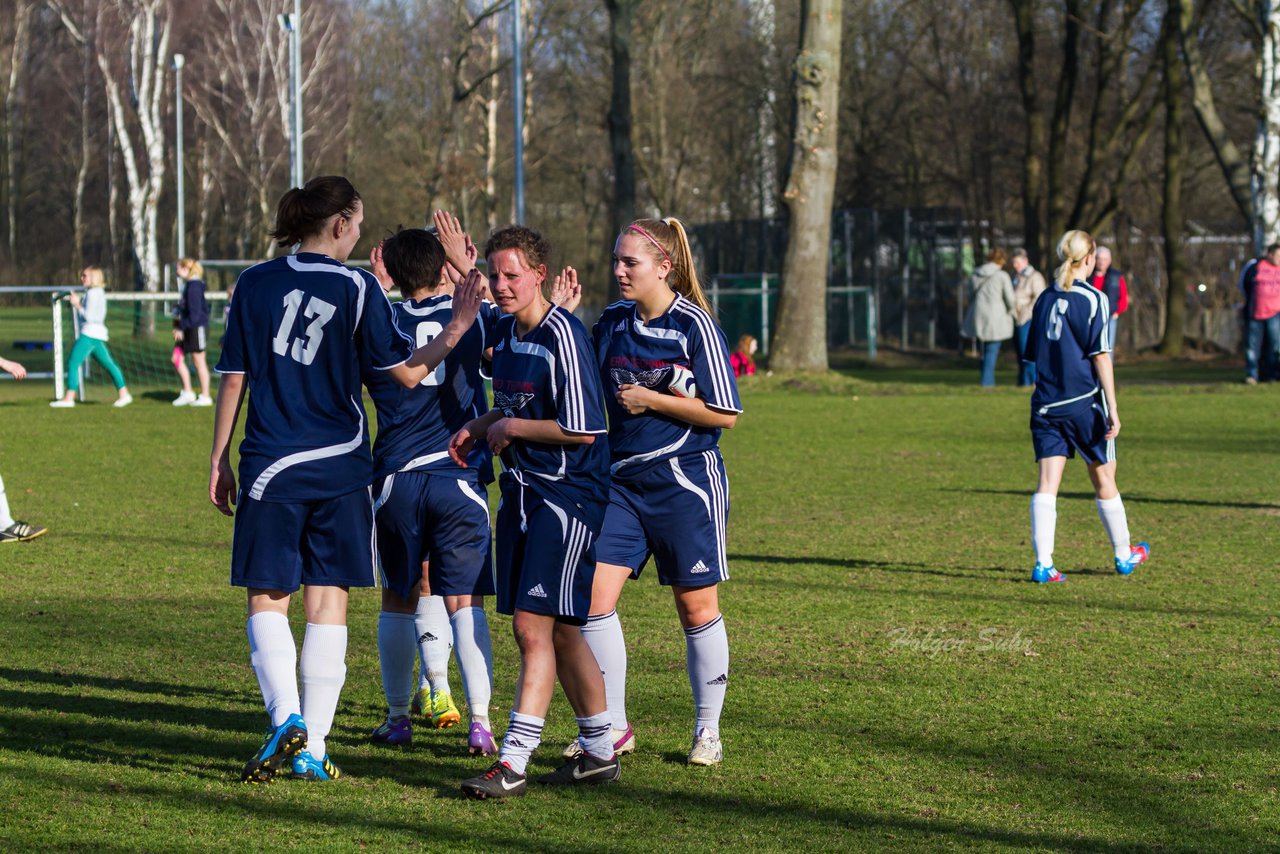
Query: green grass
x=897, y=682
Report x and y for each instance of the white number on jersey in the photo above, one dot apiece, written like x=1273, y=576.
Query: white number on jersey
x=1055, y=319
x=302, y=349
x=427, y=332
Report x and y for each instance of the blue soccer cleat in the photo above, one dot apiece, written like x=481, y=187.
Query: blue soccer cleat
x=393, y=731
x=1137, y=556
x=307, y=767
x=282, y=744
x=1046, y=575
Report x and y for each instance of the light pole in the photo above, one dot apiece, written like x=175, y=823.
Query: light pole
x=517, y=96
x=291, y=24
x=178, y=61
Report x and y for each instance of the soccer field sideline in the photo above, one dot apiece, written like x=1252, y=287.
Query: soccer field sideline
x=896, y=682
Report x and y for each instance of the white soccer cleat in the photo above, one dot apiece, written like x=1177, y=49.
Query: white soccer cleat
x=186, y=398
x=202, y=400
x=707, y=749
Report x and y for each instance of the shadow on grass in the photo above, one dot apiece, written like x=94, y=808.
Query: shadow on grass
x=1139, y=498
x=975, y=573
x=520, y=827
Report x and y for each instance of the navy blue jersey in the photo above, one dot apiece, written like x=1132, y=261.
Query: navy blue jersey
x=549, y=376
x=415, y=424
x=299, y=329
x=193, y=308
x=1068, y=327
x=632, y=351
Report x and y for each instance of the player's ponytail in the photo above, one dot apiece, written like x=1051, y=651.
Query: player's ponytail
x=1073, y=248
x=303, y=211
x=669, y=242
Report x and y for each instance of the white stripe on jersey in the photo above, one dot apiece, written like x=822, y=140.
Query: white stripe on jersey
x=1098, y=304
x=426, y=310
x=720, y=395
x=665, y=334
x=529, y=348
x=260, y=485
x=338, y=270
x=651, y=455
x=417, y=462
x=574, y=416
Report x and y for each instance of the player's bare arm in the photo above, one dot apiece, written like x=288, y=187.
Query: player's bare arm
x=548, y=431
x=466, y=305
x=1107, y=379
x=637, y=400
x=222, y=478
x=471, y=432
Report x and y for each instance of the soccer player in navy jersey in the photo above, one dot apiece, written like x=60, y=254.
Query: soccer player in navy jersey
x=298, y=331
x=1073, y=407
x=427, y=508
x=548, y=425
x=669, y=497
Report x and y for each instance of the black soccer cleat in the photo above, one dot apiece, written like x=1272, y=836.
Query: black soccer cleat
x=498, y=782
x=584, y=770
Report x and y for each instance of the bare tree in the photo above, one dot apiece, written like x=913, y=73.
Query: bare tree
x=135, y=98
x=621, y=15
x=18, y=52
x=801, y=342
x=1175, y=83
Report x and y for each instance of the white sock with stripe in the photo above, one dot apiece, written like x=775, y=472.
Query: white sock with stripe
x=323, y=666
x=707, y=647
x=274, y=658
x=435, y=641
x=524, y=734
x=603, y=634
x=396, y=634
x=474, y=651
x=5, y=519
x=594, y=735
x=1116, y=523
x=1044, y=521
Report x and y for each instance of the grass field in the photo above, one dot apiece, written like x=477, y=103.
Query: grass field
x=897, y=682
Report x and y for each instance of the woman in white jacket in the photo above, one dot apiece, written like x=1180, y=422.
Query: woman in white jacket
x=92, y=340
x=990, y=315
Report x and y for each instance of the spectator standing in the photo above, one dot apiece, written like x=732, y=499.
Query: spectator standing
x=1261, y=285
x=191, y=333
x=743, y=359
x=1028, y=284
x=1111, y=282
x=990, y=315
x=92, y=340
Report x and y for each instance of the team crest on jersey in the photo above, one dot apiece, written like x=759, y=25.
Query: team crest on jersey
x=515, y=401
x=649, y=379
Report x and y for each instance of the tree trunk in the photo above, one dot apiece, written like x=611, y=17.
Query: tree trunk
x=13, y=120
x=801, y=342
x=1171, y=206
x=1265, y=177
x=623, y=210
x=1033, y=159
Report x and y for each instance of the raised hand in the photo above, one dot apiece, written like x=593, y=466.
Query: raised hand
x=466, y=299
x=565, y=290
x=455, y=241
x=379, y=269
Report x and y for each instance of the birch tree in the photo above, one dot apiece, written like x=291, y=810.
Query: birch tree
x=801, y=342
x=135, y=90
x=19, y=48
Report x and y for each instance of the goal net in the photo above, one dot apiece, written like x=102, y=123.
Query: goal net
x=140, y=326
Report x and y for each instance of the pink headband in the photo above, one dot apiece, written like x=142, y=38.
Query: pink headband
x=651, y=240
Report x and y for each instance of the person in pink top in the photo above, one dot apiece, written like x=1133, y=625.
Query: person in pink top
x=1262, y=293
x=742, y=359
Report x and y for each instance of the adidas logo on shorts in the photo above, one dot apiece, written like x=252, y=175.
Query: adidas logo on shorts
x=698, y=568
x=539, y=592
x=722, y=679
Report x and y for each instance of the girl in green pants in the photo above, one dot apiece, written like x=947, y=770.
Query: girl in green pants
x=92, y=340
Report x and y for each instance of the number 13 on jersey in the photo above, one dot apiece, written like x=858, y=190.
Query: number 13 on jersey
x=303, y=348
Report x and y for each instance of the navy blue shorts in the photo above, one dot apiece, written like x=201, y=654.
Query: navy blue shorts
x=546, y=554
x=436, y=518
x=326, y=543
x=676, y=511
x=1083, y=431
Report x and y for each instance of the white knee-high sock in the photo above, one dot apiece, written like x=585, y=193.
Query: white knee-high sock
x=435, y=641
x=5, y=519
x=474, y=651
x=603, y=633
x=1111, y=512
x=275, y=662
x=524, y=734
x=707, y=647
x=594, y=736
x=396, y=651
x=1044, y=521
x=324, y=670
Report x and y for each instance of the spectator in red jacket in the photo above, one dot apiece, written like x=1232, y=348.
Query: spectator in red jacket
x=742, y=358
x=1261, y=285
x=1111, y=282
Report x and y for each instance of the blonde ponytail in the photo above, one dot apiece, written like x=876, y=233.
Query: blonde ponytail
x=669, y=242
x=1073, y=248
